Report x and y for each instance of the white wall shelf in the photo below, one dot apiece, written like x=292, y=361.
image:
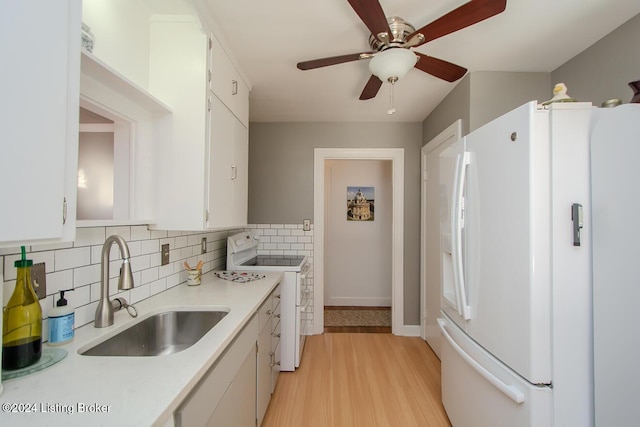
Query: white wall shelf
x=102, y=73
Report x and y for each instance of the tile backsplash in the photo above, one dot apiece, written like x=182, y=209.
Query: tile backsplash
x=76, y=265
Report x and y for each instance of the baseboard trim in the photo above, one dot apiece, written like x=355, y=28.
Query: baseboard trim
x=411, y=331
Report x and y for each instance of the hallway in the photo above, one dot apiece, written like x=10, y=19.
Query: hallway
x=360, y=380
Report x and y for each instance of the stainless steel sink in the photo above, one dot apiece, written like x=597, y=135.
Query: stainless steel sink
x=161, y=334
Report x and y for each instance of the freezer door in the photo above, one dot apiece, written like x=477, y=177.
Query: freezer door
x=478, y=390
x=507, y=241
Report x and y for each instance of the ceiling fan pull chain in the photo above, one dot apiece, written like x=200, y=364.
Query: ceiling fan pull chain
x=392, y=86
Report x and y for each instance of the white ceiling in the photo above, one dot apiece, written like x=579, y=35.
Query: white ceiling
x=269, y=37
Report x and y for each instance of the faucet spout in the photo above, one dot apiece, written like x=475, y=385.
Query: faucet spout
x=104, y=312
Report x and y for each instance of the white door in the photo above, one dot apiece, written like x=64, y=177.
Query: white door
x=507, y=248
x=432, y=213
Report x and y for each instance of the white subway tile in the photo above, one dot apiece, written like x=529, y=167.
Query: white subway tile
x=277, y=226
x=166, y=270
x=149, y=246
x=139, y=293
x=158, y=234
x=86, y=275
x=72, y=258
x=79, y=297
x=284, y=232
x=124, y=232
x=58, y=281
x=181, y=242
x=140, y=232
x=89, y=236
x=149, y=275
x=158, y=286
x=50, y=247
x=85, y=314
x=140, y=262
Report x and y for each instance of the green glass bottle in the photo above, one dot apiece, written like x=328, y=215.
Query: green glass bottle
x=22, y=321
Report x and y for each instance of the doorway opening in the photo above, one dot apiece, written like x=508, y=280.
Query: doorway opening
x=393, y=194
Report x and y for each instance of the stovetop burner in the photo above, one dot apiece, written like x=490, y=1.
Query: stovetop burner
x=275, y=260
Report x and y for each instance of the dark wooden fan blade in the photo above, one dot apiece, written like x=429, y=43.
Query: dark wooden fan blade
x=324, y=62
x=371, y=13
x=371, y=88
x=462, y=17
x=439, y=68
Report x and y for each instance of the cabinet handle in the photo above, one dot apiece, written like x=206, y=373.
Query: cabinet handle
x=234, y=171
x=210, y=75
x=269, y=312
x=277, y=316
x=209, y=104
x=234, y=87
x=275, y=335
x=277, y=296
x=64, y=211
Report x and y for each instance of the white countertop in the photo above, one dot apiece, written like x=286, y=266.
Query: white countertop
x=133, y=391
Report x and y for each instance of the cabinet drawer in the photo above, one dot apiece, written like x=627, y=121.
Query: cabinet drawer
x=264, y=314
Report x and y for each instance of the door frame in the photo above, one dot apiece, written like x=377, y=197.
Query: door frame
x=429, y=330
x=396, y=156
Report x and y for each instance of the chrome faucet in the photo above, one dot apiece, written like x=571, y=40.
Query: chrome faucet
x=104, y=313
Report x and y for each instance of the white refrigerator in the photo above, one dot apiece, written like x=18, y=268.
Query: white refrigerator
x=516, y=282
x=615, y=150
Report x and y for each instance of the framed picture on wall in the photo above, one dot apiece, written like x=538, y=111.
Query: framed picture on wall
x=360, y=203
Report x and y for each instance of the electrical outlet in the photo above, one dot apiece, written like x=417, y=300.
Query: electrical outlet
x=306, y=224
x=164, y=254
x=39, y=279
x=203, y=246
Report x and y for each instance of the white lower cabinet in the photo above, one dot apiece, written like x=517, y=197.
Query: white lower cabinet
x=237, y=389
x=225, y=386
x=236, y=408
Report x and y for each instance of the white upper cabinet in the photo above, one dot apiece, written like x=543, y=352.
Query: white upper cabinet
x=165, y=54
x=227, y=84
x=228, y=168
x=202, y=169
x=40, y=51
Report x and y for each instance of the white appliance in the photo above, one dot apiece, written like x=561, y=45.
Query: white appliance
x=242, y=255
x=616, y=291
x=516, y=281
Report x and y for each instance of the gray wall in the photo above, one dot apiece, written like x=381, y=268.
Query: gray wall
x=281, y=179
x=455, y=106
x=604, y=70
x=483, y=96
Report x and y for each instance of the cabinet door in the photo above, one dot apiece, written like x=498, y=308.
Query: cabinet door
x=226, y=83
x=237, y=406
x=221, y=153
x=241, y=174
x=228, y=168
x=38, y=162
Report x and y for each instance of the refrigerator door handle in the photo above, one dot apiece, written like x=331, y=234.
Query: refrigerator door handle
x=512, y=392
x=457, y=224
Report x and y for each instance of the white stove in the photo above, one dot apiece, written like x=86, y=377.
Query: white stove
x=242, y=255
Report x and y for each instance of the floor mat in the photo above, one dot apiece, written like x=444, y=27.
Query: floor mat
x=360, y=316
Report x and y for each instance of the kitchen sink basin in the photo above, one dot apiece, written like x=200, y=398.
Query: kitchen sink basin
x=160, y=334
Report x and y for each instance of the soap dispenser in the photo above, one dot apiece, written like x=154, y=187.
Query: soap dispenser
x=22, y=321
x=61, y=321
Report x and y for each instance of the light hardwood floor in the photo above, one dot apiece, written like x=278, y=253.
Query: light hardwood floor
x=360, y=380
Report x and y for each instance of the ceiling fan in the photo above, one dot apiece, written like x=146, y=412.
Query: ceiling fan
x=392, y=38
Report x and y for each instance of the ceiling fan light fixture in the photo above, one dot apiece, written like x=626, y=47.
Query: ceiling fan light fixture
x=392, y=63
